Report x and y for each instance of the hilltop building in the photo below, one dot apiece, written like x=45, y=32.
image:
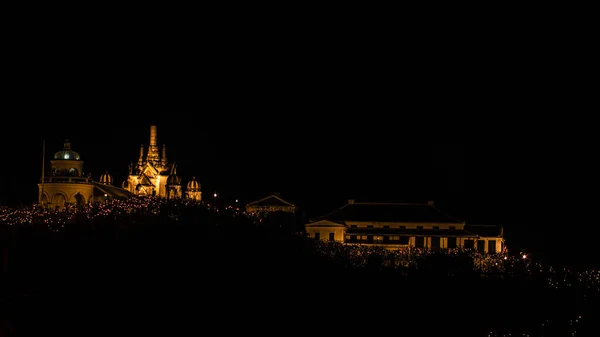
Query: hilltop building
x=399, y=225
x=271, y=203
x=154, y=175
x=65, y=185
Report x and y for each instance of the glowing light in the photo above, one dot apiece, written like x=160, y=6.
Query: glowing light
x=215, y=195
x=524, y=256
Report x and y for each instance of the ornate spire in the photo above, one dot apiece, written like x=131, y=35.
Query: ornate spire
x=173, y=179
x=153, y=133
x=153, y=148
x=141, y=160
x=163, y=158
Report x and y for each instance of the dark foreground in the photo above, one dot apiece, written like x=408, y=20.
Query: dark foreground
x=232, y=277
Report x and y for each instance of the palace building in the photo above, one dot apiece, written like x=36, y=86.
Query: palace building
x=154, y=175
x=399, y=225
x=65, y=185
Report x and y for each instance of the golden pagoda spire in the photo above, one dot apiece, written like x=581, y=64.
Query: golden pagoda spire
x=141, y=160
x=153, y=148
x=163, y=158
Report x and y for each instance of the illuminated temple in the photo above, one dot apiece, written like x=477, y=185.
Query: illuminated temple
x=154, y=175
x=65, y=184
x=398, y=225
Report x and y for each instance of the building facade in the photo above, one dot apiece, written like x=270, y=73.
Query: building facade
x=271, y=203
x=401, y=225
x=65, y=185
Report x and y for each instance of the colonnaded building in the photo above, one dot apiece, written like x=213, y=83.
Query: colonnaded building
x=398, y=225
x=65, y=184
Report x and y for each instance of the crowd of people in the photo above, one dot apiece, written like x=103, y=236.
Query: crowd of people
x=185, y=243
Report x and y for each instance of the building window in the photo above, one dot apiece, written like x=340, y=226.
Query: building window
x=436, y=227
x=317, y=235
x=451, y=242
x=469, y=243
x=331, y=236
x=481, y=246
x=403, y=240
x=402, y=227
x=353, y=238
x=369, y=238
x=386, y=239
x=369, y=226
x=386, y=226
x=435, y=242
x=491, y=246
x=419, y=227
x=419, y=242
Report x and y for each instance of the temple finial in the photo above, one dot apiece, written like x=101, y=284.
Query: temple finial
x=163, y=157
x=141, y=160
